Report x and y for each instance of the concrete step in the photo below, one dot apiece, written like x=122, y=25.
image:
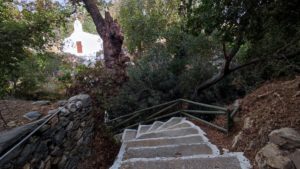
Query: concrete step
x=129, y=134
x=170, y=133
x=173, y=121
x=155, y=125
x=165, y=141
x=209, y=162
x=183, y=124
x=168, y=151
x=142, y=129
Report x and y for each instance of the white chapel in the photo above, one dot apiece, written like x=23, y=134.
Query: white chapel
x=82, y=44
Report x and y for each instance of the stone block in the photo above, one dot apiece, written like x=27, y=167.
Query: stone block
x=33, y=115
x=287, y=138
x=41, y=102
x=84, y=98
x=62, y=102
x=295, y=157
x=271, y=156
x=59, y=137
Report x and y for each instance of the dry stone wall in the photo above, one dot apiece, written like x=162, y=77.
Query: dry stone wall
x=60, y=143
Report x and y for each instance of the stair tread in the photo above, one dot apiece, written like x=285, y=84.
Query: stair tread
x=170, y=133
x=155, y=125
x=171, y=122
x=165, y=141
x=183, y=124
x=142, y=129
x=129, y=134
x=177, y=143
x=221, y=162
x=168, y=151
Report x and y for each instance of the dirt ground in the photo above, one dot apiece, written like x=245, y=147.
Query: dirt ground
x=272, y=106
x=104, y=152
x=13, y=111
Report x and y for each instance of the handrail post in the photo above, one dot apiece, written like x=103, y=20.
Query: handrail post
x=229, y=120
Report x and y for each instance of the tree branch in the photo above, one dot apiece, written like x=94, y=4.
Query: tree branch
x=215, y=79
x=91, y=6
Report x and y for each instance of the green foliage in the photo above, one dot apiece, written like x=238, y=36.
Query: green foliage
x=96, y=81
x=265, y=28
x=165, y=73
x=24, y=34
x=177, y=53
x=144, y=21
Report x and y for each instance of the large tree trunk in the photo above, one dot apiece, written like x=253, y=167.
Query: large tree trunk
x=112, y=36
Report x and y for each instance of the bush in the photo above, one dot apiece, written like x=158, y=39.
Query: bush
x=96, y=81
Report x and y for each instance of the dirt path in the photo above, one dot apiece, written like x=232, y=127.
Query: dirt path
x=13, y=111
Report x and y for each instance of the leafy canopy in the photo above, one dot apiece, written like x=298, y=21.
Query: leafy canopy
x=24, y=33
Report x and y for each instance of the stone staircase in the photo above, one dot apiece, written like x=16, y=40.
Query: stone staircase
x=177, y=143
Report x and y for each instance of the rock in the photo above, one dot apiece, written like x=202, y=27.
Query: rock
x=247, y=123
x=64, y=112
x=70, y=126
x=80, y=141
x=12, y=124
x=42, y=165
x=10, y=137
x=251, y=145
x=72, y=163
x=295, y=157
x=62, y=102
x=236, y=139
x=52, y=111
x=41, y=102
x=86, y=140
x=78, y=134
x=84, y=98
x=55, y=160
x=41, y=151
x=27, y=166
x=33, y=115
x=9, y=158
x=63, y=121
x=58, y=138
x=48, y=164
x=297, y=94
x=26, y=154
x=271, y=156
x=44, y=128
x=72, y=107
x=79, y=104
x=236, y=119
x=88, y=131
x=57, y=152
x=287, y=138
x=62, y=162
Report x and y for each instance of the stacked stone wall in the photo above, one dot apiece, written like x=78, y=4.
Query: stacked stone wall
x=59, y=143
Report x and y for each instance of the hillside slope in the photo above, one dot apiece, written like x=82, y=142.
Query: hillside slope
x=273, y=105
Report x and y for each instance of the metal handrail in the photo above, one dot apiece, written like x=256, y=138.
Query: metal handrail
x=204, y=105
x=134, y=115
x=30, y=134
x=206, y=122
x=149, y=108
x=205, y=112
